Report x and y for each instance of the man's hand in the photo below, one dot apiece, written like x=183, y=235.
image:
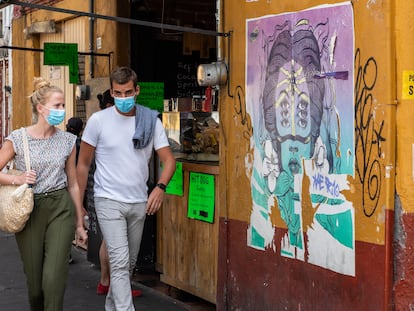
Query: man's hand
x=155, y=200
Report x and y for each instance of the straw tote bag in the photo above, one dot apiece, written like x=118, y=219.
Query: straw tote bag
x=16, y=202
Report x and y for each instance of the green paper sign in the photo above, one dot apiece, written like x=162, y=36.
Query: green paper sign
x=151, y=95
x=62, y=54
x=175, y=186
x=201, y=197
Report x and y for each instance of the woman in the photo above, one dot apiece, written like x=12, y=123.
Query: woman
x=46, y=240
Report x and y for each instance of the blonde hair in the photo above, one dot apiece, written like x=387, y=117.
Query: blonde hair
x=42, y=90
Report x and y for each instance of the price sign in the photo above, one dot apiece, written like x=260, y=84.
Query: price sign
x=201, y=197
x=151, y=95
x=175, y=186
x=62, y=54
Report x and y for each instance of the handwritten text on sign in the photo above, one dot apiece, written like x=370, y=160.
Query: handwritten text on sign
x=62, y=54
x=201, y=197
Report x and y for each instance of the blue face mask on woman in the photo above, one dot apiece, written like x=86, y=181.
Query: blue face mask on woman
x=56, y=116
x=124, y=104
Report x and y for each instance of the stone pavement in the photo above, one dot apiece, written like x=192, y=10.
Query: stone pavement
x=81, y=285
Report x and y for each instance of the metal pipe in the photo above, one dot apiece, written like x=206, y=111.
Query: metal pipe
x=3, y=104
x=41, y=50
x=91, y=38
x=4, y=3
x=219, y=22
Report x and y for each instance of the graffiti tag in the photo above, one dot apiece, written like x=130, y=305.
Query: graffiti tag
x=368, y=134
x=240, y=109
x=321, y=182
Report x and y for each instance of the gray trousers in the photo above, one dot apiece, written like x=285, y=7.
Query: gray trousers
x=121, y=225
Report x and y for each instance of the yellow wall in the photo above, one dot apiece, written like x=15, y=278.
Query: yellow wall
x=374, y=39
x=405, y=130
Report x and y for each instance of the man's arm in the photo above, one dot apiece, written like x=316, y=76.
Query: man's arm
x=156, y=196
x=167, y=158
x=86, y=155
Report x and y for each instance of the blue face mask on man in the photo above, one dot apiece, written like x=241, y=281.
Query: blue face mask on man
x=124, y=104
x=56, y=116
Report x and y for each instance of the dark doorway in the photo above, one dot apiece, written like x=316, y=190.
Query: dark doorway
x=170, y=57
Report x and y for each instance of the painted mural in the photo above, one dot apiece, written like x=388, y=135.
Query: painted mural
x=299, y=95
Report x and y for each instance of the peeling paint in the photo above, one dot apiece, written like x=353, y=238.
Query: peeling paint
x=371, y=2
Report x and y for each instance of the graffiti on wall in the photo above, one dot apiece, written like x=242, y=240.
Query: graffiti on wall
x=368, y=135
x=299, y=94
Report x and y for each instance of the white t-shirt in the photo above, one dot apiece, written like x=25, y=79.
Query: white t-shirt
x=121, y=170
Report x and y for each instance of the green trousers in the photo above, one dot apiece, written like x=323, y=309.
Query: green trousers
x=45, y=245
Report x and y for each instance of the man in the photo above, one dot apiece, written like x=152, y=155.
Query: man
x=121, y=138
x=75, y=126
x=105, y=101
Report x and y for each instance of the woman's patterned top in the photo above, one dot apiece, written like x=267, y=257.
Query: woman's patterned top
x=48, y=158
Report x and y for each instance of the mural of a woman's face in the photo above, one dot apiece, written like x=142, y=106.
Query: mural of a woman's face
x=301, y=104
x=293, y=98
x=293, y=121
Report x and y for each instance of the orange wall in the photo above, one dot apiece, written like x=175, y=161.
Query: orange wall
x=404, y=238
x=377, y=52
x=371, y=186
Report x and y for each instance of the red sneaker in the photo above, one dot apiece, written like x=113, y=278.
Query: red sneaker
x=136, y=292
x=102, y=289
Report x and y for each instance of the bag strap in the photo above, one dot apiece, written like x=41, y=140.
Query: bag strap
x=10, y=164
x=26, y=149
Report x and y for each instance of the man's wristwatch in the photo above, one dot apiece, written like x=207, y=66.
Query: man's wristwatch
x=161, y=186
